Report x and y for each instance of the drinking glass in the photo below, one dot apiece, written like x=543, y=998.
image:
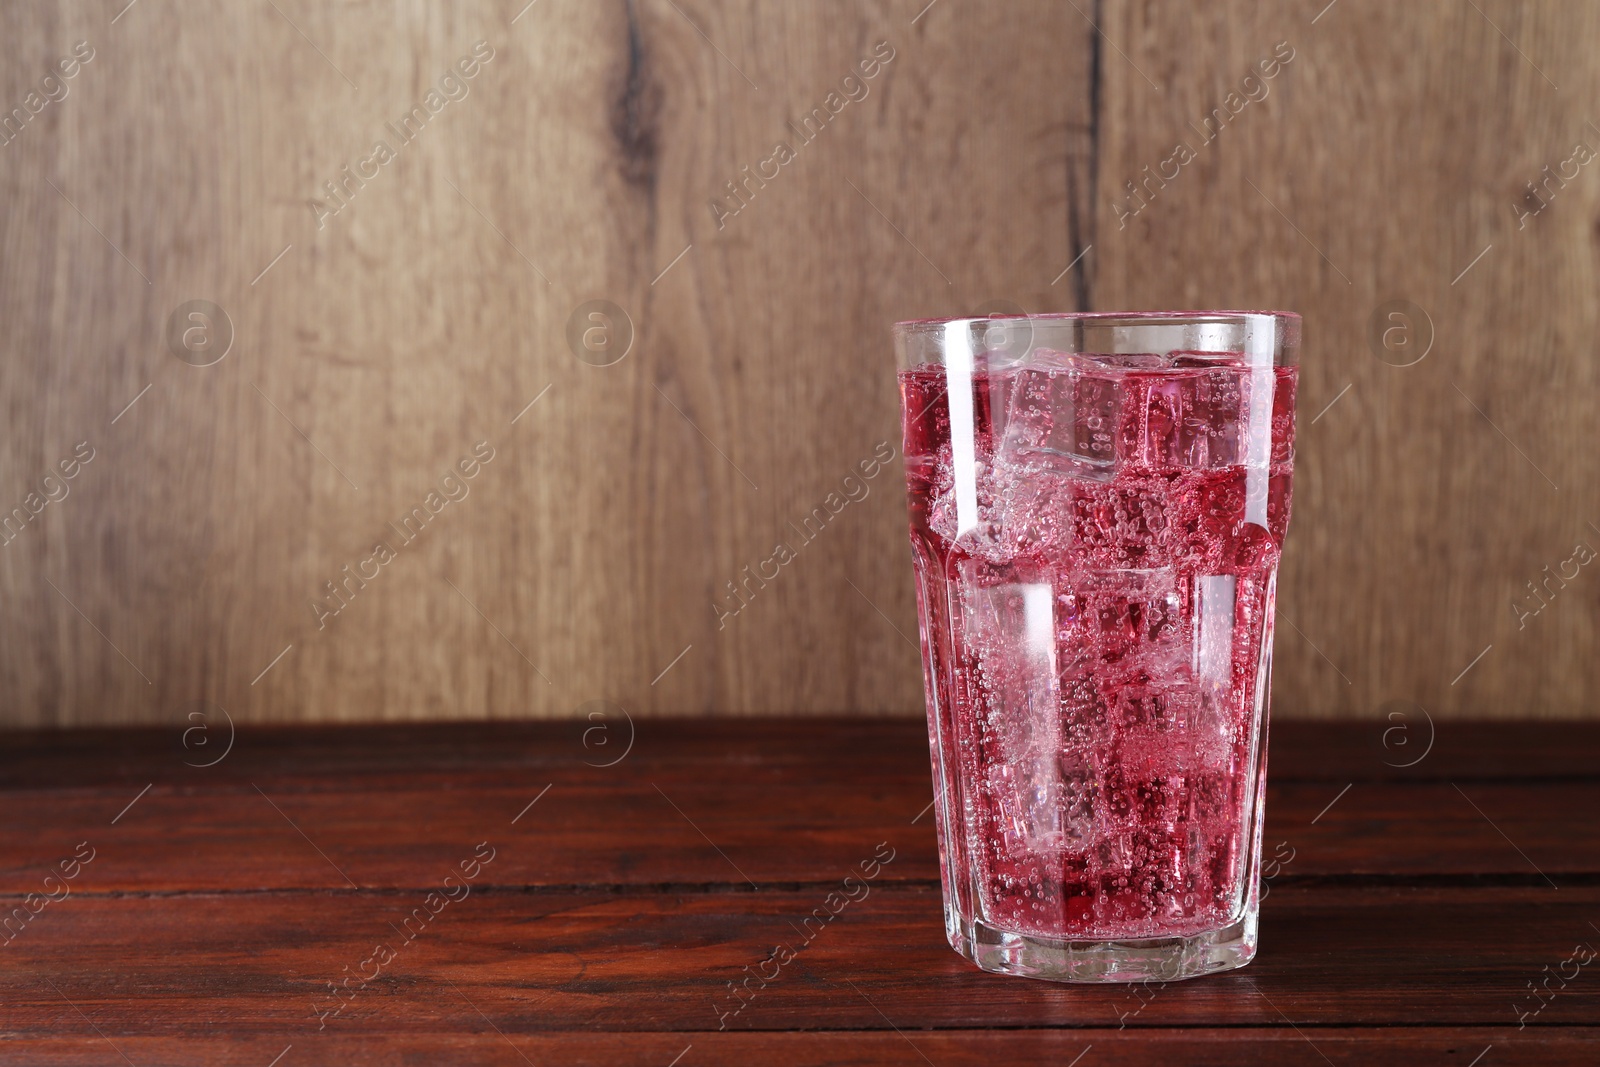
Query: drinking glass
x=1098, y=503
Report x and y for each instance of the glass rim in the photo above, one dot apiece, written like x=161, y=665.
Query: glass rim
x=1131, y=318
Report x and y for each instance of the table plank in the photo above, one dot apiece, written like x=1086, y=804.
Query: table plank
x=1337, y=752
x=482, y=1047
x=710, y=813
x=608, y=961
x=478, y=1044
x=627, y=833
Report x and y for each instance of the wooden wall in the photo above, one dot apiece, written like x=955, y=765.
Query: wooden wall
x=399, y=332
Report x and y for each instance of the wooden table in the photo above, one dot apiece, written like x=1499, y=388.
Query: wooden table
x=583, y=913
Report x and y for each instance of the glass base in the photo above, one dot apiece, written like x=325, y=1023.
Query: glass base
x=1155, y=959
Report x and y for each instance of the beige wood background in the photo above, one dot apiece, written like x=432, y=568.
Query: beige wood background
x=1385, y=161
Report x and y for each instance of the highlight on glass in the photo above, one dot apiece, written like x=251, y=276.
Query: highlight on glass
x=1098, y=504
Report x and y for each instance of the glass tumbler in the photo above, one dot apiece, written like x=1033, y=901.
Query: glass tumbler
x=1098, y=503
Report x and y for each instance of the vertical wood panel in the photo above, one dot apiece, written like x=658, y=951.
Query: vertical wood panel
x=424, y=314
x=1387, y=155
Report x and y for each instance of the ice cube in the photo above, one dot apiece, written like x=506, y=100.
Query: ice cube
x=1127, y=619
x=976, y=534
x=1079, y=795
x=1283, y=420
x=1190, y=418
x=1026, y=806
x=1008, y=629
x=1215, y=418
x=1063, y=411
x=1084, y=715
x=1155, y=706
x=1088, y=415
x=1062, y=444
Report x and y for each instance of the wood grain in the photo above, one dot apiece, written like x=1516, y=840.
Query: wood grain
x=306, y=810
x=606, y=926
x=1427, y=496
x=590, y=558
x=606, y=962
x=478, y=1044
x=425, y=313
x=849, y=746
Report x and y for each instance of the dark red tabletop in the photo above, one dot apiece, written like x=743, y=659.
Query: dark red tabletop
x=499, y=894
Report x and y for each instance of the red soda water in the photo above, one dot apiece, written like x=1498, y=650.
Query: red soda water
x=1096, y=548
